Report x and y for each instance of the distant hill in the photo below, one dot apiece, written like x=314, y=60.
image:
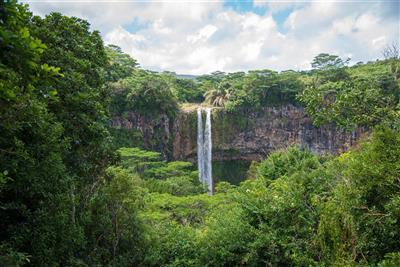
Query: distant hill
x=186, y=76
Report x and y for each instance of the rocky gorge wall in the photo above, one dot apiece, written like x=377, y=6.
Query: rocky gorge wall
x=240, y=137
x=135, y=130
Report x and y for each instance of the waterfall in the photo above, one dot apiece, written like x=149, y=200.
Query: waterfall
x=208, y=151
x=204, y=149
x=200, y=141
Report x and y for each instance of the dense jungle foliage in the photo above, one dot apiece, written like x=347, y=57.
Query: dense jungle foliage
x=71, y=196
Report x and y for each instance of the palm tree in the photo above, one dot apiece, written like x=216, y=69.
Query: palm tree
x=219, y=95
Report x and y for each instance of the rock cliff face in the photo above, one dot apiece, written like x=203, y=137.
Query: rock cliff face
x=244, y=137
x=253, y=136
x=151, y=133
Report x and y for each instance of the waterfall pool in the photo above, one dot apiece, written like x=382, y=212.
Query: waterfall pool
x=232, y=171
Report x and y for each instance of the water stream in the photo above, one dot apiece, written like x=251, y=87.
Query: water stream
x=204, y=149
x=200, y=143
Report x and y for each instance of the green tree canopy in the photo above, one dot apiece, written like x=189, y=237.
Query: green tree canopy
x=120, y=65
x=326, y=61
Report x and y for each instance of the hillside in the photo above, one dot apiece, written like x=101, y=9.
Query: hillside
x=105, y=163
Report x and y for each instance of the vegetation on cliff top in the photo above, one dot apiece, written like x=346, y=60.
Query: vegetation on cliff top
x=67, y=198
x=331, y=91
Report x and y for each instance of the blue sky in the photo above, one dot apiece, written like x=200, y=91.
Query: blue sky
x=245, y=6
x=197, y=37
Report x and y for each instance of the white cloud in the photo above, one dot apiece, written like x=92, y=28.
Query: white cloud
x=379, y=41
x=252, y=50
x=343, y=26
x=159, y=27
x=203, y=34
x=201, y=37
x=122, y=36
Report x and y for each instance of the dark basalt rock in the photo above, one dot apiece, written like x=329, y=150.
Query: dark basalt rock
x=240, y=137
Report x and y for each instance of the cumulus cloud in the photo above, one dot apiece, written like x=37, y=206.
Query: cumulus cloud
x=201, y=37
x=203, y=34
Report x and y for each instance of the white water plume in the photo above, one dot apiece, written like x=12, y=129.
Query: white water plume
x=204, y=149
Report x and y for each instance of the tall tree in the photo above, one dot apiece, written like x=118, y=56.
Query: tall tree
x=219, y=95
x=81, y=109
x=326, y=61
x=120, y=66
x=82, y=99
x=34, y=184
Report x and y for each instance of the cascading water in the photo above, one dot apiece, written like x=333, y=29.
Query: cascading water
x=208, y=151
x=204, y=149
x=200, y=142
